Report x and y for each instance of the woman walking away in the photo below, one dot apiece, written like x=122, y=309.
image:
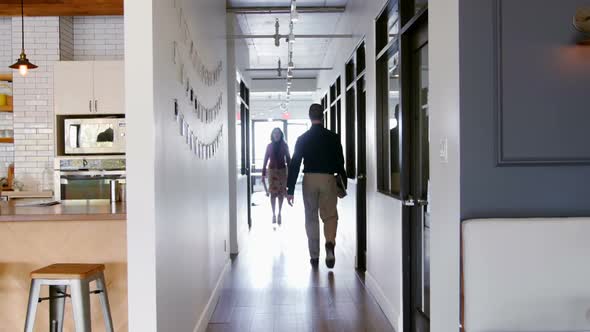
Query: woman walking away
x=277, y=157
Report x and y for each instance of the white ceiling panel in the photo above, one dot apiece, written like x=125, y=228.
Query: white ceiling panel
x=264, y=105
x=276, y=3
x=307, y=52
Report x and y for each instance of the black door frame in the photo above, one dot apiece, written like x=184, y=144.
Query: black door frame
x=356, y=135
x=246, y=144
x=414, y=319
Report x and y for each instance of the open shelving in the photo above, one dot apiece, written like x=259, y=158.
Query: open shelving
x=6, y=77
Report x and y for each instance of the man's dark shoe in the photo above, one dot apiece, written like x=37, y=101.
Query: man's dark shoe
x=314, y=262
x=330, y=257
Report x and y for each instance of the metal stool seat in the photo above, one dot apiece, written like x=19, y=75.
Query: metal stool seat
x=78, y=277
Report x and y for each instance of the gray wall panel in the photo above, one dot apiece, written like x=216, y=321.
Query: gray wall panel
x=524, y=103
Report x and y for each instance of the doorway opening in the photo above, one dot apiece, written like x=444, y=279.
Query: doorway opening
x=403, y=144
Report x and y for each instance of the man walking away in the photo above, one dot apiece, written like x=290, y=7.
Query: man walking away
x=322, y=156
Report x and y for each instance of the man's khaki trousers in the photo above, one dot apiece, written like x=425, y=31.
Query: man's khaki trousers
x=320, y=195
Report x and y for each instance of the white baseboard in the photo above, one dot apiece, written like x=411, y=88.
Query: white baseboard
x=388, y=308
x=210, y=307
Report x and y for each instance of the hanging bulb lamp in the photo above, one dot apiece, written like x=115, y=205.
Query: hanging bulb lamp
x=22, y=63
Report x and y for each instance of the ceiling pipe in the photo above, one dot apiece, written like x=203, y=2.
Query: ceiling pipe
x=285, y=10
x=294, y=69
x=319, y=36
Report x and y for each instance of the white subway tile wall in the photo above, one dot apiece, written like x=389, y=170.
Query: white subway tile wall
x=33, y=102
x=6, y=59
x=47, y=40
x=98, y=38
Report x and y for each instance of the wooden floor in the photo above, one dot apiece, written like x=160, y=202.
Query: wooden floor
x=272, y=286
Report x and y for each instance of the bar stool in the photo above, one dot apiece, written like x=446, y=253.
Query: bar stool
x=78, y=277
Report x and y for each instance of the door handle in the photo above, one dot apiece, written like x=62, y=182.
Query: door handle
x=95, y=105
x=414, y=202
x=422, y=202
x=409, y=202
x=361, y=176
x=90, y=106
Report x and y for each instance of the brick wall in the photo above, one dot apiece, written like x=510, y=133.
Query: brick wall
x=98, y=38
x=6, y=59
x=47, y=40
x=33, y=102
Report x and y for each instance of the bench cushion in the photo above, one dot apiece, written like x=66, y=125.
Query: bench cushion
x=526, y=274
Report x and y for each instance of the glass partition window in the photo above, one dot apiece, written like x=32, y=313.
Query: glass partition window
x=420, y=5
x=393, y=25
x=393, y=108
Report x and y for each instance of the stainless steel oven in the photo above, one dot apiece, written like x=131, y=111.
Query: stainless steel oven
x=90, y=179
x=94, y=136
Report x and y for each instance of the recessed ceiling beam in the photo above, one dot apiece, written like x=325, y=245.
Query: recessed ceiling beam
x=285, y=69
x=322, y=36
x=285, y=10
x=62, y=7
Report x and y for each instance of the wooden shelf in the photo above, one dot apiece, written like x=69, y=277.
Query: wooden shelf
x=6, y=77
x=6, y=108
x=6, y=140
x=9, y=107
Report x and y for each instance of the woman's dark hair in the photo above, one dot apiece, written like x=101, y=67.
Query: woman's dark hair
x=276, y=145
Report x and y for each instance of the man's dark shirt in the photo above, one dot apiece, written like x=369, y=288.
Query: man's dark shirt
x=321, y=152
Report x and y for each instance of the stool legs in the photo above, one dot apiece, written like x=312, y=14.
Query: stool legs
x=56, y=308
x=32, y=307
x=81, y=305
x=104, y=302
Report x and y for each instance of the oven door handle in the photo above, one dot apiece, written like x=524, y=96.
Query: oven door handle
x=91, y=173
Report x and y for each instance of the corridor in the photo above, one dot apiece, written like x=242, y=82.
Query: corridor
x=272, y=287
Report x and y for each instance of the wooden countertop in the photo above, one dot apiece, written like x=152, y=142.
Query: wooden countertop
x=66, y=211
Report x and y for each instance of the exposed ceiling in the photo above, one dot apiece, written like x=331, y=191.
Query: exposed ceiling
x=265, y=105
x=308, y=53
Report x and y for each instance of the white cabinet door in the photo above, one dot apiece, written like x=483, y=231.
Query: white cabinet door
x=109, y=87
x=73, y=87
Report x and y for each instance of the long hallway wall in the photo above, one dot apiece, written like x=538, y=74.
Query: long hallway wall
x=384, y=277
x=384, y=213
x=238, y=59
x=178, y=200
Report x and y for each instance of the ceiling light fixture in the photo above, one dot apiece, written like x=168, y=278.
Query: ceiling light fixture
x=279, y=69
x=277, y=35
x=22, y=63
x=291, y=38
x=294, y=13
x=289, y=73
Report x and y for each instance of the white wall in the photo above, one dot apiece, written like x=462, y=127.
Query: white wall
x=445, y=175
x=141, y=176
x=238, y=60
x=178, y=206
x=98, y=37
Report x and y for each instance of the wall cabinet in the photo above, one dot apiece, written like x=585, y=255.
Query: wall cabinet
x=89, y=87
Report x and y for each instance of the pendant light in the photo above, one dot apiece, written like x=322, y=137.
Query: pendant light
x=22, y=63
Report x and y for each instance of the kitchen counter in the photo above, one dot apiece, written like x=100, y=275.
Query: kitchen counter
x=66, y=211
x=31, y=237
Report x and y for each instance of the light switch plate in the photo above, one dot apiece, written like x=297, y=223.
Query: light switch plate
x=444, y=150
